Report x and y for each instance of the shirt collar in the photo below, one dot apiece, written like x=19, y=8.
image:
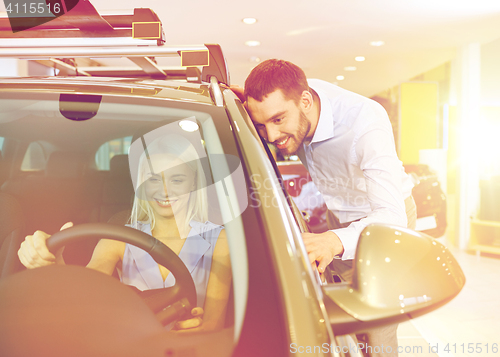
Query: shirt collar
x=324, y=129
x=196, y=228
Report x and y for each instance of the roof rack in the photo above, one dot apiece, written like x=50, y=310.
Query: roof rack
x=82, y=32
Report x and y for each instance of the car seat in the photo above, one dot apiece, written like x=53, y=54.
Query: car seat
x=11, y=227
x=117, y=190
x=61, y=195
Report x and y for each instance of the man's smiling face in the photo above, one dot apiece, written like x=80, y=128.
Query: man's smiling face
x=280, y=121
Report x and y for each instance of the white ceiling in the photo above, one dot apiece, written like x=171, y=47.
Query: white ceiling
x=324, y=36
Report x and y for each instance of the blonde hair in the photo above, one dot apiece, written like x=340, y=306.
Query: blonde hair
x=181, y=148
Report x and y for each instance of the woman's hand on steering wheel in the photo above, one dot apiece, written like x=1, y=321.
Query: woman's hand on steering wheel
x=169, y=304
x=190, y=324
x=33, y=252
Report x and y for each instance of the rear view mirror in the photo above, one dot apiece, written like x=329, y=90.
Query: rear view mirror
x=398, y=274
x=79, y=107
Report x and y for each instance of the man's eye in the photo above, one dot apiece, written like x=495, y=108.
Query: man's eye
x=177, y=181
x=154, y=179
x=278, y=121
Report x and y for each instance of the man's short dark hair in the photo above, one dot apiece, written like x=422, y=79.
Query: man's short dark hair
x=274, y=74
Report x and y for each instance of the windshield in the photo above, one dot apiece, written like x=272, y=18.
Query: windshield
x=147, y=163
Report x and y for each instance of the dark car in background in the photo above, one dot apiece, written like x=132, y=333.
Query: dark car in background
x=430, y=200
x=305, y=194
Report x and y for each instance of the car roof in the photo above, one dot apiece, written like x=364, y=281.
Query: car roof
x=165, y=89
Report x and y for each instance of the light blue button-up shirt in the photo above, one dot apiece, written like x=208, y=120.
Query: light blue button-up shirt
x=352, y=160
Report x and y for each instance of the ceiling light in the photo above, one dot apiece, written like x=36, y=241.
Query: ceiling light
x=359, y=58
x=188, y=125
x=249, y=20
x=350, y=68
x=340, y=78
x=252, y=43
x=377, y=43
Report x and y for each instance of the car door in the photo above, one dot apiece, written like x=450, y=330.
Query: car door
x=303, y=303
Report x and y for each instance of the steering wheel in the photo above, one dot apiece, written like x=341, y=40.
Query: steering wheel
x=179, y=299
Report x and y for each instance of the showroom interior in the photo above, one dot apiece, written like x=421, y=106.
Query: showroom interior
x=433, y=65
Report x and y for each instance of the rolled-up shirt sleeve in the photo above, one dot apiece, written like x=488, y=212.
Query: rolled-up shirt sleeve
x=374, y=151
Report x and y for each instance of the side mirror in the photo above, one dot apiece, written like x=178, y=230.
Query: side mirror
x=398, y=274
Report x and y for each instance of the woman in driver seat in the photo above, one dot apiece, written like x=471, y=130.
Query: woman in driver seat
x=170, y=204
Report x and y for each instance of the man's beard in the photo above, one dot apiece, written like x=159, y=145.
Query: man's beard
x=302, y=131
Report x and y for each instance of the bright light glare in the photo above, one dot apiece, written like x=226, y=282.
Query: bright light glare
x=485, y=151
x=349, y=68
x=188, y=125
x=359, y=58
x=249, y=20
x=377, y=43
x=252, y=43
x=340, y=78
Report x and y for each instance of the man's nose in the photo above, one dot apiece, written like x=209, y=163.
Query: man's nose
x=272, y=134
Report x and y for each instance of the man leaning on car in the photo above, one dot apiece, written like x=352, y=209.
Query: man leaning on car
x=346, y=142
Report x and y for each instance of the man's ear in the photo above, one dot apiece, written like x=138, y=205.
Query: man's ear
x=306, y=101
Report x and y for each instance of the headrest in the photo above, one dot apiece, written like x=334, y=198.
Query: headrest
x=11, y=215
x=118, y=166
x=65, y=165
